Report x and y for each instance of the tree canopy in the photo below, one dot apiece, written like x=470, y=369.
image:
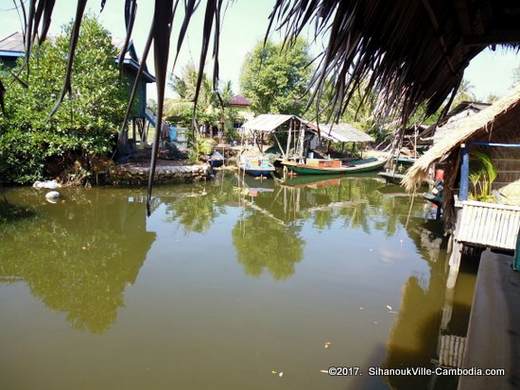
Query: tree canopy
x=275, y=78
x=212, y=105
x=84, y=125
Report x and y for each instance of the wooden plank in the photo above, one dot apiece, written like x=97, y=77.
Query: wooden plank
x=493, y=339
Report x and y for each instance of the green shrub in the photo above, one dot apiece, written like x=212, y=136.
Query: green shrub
x=86, y=123
x=200, y=147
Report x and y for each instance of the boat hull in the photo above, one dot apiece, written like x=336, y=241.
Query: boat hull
x=216, y=163
x=301, y=169
x=259, y=172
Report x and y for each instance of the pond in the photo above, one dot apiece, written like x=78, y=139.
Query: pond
x=228, y=285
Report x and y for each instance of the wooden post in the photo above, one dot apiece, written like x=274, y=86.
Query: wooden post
x=454, y=263
x=279, y=146
x=301, y=140
x=464, y=173
x=516, y=261
x=289, y=135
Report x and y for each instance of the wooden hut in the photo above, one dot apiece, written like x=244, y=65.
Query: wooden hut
x=291, y=135
x=493, y=131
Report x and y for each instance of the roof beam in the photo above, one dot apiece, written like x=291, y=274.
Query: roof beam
x=463, y=17
x=496, y=37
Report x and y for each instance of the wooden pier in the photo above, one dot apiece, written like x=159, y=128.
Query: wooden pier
x=493, y=339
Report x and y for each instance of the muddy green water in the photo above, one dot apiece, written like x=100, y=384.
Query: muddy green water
x=221, y=286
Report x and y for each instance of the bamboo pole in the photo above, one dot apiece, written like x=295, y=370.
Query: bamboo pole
x=279, y=145
x=289, y=136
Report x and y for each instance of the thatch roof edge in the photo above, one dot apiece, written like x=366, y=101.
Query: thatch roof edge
x=466, y=128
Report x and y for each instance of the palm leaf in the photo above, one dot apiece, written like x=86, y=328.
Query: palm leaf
x=74, y=36
x=2, y=95
x=162, y=20
x=130, y=12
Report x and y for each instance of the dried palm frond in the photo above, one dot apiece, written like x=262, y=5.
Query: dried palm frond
x=2, y=95
x=130, y=12
x=74, y=36
x=161, y=30
x=397, y=48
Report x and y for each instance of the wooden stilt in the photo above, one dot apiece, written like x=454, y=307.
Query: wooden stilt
x=454, y=263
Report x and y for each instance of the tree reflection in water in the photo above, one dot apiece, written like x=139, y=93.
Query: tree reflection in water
x=78, y=259
x=262, y=243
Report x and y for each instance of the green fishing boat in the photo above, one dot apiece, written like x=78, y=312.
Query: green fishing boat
x=335, y=167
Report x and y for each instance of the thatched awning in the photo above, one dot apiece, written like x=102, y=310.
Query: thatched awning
x=467, y=129
x=343, y=132
x=409, y=51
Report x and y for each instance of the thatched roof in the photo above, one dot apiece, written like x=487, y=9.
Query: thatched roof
x=473, y=126
x=410, y=51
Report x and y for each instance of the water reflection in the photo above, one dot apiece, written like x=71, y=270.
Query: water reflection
x=263, y=243
x=77, y=260
x=361, y=242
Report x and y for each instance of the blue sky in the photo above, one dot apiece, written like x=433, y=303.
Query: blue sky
x=244, y=25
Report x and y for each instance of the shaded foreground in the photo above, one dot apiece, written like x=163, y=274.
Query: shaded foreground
x=223, y=285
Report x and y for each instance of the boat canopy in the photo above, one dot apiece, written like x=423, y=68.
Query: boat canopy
x=268, y=123
x=343, y=132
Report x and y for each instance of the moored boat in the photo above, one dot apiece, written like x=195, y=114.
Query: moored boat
x=216, y=160
x=257, y=166
x=335, y=167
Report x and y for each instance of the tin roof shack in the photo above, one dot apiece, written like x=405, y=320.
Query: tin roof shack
x=492, y=133
x=340, y=133
x=242, y=105
x=290, y=135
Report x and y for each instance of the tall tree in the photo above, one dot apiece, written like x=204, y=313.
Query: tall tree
x=464, y=93
x=275, y=78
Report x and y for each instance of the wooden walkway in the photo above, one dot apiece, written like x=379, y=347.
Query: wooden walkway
x=493, y=339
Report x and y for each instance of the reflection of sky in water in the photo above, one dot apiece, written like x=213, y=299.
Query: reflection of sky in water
x=217, y=288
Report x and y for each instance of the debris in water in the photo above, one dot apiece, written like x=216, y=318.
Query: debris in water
x=280, y=374
x=273, y=372
x=327, y=344
x=370, y=250
x=361, y=308
x=324, y=371
x=375, y=322
x=52, y=196
x=47, y=185
x=389, y=307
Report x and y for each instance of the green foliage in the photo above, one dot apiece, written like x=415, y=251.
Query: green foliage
x=482, y=177
x=200, y=147
x=275, y=79
x=464, y=93
x=85, y=124
x=210, y=110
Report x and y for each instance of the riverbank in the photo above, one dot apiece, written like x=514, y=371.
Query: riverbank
x=166, y=172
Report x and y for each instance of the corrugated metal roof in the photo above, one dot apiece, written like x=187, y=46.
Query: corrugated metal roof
x=489, y=224
x=12, y=42
x=344, y=132
x=267, y=122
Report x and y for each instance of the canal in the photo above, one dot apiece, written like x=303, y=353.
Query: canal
x=228, y=285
